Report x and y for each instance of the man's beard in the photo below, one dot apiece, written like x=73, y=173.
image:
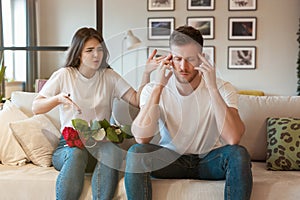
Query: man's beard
x=182, y=80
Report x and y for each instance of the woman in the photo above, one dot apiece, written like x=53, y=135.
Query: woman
x=85, y=87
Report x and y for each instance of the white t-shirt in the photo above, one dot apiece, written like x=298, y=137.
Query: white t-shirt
x=187, y=124
x=94, y=96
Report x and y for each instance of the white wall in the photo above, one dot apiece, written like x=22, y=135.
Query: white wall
x=57, y=22
x=277, y=46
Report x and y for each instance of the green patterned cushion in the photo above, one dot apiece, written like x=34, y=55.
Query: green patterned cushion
x=283, y=139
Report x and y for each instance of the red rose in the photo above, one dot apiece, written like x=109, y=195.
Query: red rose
x=72, y=138
x=78, y=143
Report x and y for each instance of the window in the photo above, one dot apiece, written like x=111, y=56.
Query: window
x=14, y=35
x=25, y=59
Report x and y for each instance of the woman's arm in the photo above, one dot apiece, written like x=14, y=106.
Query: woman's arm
x=145, y=124
x=43, y=104
x=132, y=96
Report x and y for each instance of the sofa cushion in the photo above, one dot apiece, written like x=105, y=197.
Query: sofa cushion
x=30, y=182
x=283, y=139
x=23, y=100
x=38, y=138
x=11, y=153
x=267, y=185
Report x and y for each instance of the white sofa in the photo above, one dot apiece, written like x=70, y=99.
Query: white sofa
x=33, y=182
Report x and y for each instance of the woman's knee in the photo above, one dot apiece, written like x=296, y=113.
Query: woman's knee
x=78, y=154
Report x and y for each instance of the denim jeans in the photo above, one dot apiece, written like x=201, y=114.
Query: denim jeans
x=231, y=163
x=72, y=164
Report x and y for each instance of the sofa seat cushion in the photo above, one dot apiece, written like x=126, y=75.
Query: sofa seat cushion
x=270, y=185
x=267, y=185
x=30, y=182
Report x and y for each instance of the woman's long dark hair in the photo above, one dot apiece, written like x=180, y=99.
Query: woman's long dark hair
x=79, y=39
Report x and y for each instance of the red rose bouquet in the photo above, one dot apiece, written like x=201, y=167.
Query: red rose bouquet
x=72, y=137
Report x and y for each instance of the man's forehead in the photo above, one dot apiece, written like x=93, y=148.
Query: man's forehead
x=184, y=51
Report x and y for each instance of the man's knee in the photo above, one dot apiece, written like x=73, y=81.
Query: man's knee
x=239, y=154
x=139, y=148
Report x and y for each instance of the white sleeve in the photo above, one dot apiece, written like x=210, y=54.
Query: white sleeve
x=53, y=84
x=229, y=94
x=121, y=86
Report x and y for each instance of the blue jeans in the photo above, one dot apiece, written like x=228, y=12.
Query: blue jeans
x=231, y=163
x=72, y=164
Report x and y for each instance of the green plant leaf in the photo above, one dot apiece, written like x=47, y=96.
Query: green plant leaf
x=104, y=124
x=126, y=131
x=80, y=125
x=111, y=135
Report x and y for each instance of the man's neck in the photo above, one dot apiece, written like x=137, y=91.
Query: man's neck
x=187, y=88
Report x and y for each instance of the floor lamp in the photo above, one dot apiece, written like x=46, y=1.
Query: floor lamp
x=130, y=41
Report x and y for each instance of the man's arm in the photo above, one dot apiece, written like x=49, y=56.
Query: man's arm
x=228, y=120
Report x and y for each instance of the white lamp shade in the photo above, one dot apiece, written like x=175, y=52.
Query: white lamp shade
x=131, y=40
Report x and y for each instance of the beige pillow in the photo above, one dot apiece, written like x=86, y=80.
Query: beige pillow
x=11, y=153
x=38, y=137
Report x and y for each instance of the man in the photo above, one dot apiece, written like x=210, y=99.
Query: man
x=197, y=118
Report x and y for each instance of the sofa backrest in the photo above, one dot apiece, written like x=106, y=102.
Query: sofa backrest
x=254, y=111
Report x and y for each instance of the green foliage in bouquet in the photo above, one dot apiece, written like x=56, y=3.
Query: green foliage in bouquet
x=99, y=130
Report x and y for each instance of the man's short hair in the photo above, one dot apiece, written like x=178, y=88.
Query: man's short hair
x=185, y=35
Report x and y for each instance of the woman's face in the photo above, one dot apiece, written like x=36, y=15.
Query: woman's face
x=91, y=56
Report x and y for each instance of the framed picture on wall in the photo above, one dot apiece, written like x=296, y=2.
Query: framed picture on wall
x=160, y=28
x=241, y=57
x=242, y=4
x=209, y=52
x=204, y=24
x=200, y=4
x=161, y=50
x=161, y=5
x=242, y=28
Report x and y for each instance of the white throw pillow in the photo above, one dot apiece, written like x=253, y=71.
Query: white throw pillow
x=38, y=138
x=11, y=153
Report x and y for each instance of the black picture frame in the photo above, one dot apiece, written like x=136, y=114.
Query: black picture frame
x=160, y=28
x=242, y=28
x=160, y=5
x=241, y=57
x=206, y=25
x=240, y=5
x=200, y=5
